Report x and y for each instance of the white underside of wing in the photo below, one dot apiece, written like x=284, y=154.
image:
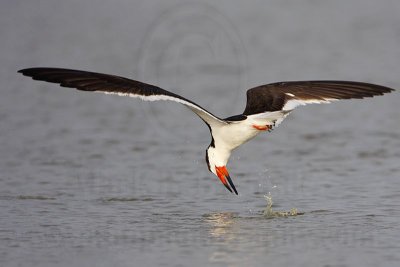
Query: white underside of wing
x=276, y=117
x=269, y=116
x=205, y=115
x=295, y=102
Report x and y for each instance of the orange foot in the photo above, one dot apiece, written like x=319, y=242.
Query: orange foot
x=262, y=127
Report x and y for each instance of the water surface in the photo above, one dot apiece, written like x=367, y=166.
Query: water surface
x=97, y=180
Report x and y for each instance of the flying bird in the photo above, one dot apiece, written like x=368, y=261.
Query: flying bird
x=267, y=105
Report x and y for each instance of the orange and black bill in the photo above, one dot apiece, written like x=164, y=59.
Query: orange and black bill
x=226, y=180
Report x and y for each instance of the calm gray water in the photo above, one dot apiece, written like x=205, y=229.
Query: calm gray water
x=96, y=180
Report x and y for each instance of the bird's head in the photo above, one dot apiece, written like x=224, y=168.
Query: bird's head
x=216, y=160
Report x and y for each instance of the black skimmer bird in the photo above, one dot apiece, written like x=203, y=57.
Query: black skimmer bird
x=267, y=105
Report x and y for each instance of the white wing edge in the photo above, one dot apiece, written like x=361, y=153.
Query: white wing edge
x=202, y=113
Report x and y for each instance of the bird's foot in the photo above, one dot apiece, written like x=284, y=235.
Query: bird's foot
x=262, y=127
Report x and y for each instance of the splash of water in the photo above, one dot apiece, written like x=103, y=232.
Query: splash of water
x=268, y=212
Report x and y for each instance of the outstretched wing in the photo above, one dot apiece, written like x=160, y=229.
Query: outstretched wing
x=267, y=102
x=111, y=84
x=288, y=95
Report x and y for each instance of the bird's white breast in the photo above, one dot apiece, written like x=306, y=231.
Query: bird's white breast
x=232, y=135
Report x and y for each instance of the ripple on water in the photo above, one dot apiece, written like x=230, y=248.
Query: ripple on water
x=126, y=199
x=27, y=197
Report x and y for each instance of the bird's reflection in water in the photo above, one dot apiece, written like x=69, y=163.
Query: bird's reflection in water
x=223, y=231
x=222, y=224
